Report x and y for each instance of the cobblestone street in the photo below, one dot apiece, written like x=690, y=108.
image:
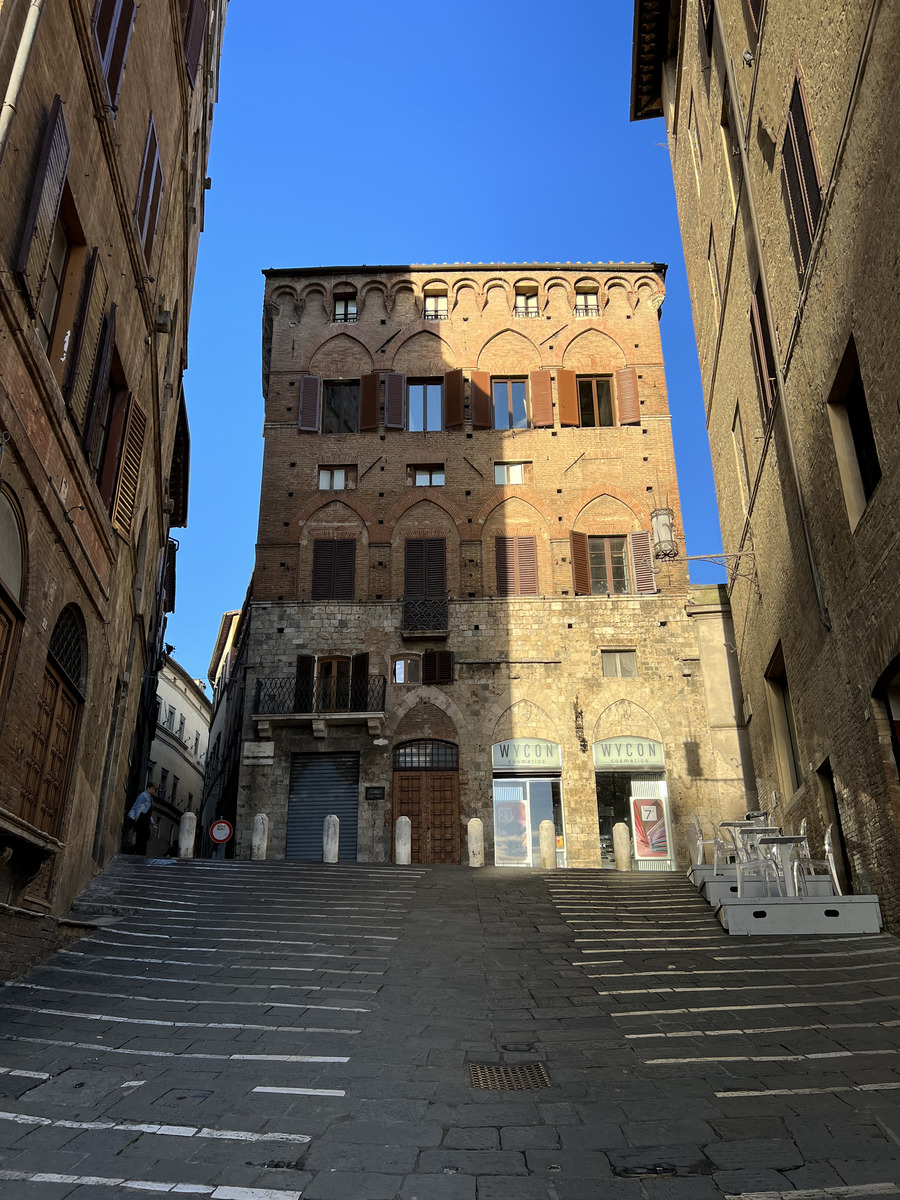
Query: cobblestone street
x=260, y=1031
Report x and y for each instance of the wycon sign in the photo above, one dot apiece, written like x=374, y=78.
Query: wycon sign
x=631, y=753
x=526, y=754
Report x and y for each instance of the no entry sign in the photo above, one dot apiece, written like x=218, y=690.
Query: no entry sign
x=220, y=831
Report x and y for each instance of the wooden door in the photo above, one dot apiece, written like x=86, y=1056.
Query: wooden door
x=431, y=801
x=49, y=755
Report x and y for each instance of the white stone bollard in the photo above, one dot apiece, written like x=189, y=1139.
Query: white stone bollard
x=187, y=832
x=331, y=830
x=475, y=839
x=548, y=844
x=259, y=838
x=622, y=846
x=403, y=842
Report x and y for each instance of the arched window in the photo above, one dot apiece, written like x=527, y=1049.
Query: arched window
x=427, y=754
x=51, y=746
x=12, y=585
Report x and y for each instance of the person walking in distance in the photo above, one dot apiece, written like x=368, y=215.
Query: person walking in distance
x=139, y=814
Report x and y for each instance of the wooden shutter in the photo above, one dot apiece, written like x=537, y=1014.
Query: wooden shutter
x=516, y=566
x=482, y=417
x=414, y=567
x=94, y=428
x=581, y=565
x=526, y=552
x=113, y=59
x=368, y=403
x=627, y=400
x=642, y=562
x=334, y=563
x=762, y=348
x=129, y=469
x=394, y=400
x=453, y=400
x=435, y=566
x=801, y=176
x=34, y=254
x=344, y=568
x=121, y=403
x=149, y=194
x=169, y=576
x=541, y=399
x=567, y=398
x=303, y=687
x=437, y=666
x=310, y=403
x=359, y=683
x=87, y=342
x=505, y=554
x=193, y=37
x=103, y=22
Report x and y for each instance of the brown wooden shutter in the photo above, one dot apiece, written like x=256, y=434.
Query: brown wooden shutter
x=323, y=569
x=114, y=60
x=104, y=29
x=344, y=569
x=453, y=400
x=368, y=403
x=303, y=687
x=505, y=553
x=34, y=254
x=581, y=563
x=642, y=562
x=87, y=342
x=193, y=37
x=435, y=566
x=121, y=404
x=482, y=417
x=394, y=400
x=146, y=212
x=627, y=400
x=801, y=176
x=169, y=576
x=541, y=399
x=414, y=567
x=310, y=402
x=129, y=469
x=94, y=427
x=359, y=682
x=762, y=349
x=437, y=666
x=567, y=398
x=526, y=552
x=516, y=566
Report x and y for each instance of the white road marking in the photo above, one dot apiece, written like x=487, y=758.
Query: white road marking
x=215, y=1192
x=206, y=983
x=818, y=1003
x=24, y=1074
x=669, y=971
x=193, y=927
x=184, y=1131
x=862, y=1190
x=289, y=1091
x=770, y=1057
x=305, y=1058
x=87, y=1016
x=39, y=987
x=744, y=987
x=848, y=1087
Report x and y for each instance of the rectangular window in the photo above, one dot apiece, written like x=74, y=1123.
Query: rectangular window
x=854, y=439
x=618, y=664
x=510, y=403
x=337, y=479
x=197, y=745
x=694, y=139
x=740, y=454
x=406, y=670
x=595, y=402
x=345, y=310
x=149, y=193
x=425, y=405
x=512, y=472
x=163, y=783
x=436, y=308
x=730, y=147
x=608, y=558
x=516, y=560
x=526, y=304
x=181, y=728
x=175, y=782
x=341, y=407
x=425, y=566
x=802, y=181
x=763, y=353
x=112, y=22
x=712, y=264
x=586, y=304
x=437, y=666
x=784, y=729
x=426, y=474
x=170, y=717
x=334, y=568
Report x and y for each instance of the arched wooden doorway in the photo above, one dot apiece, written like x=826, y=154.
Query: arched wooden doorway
x=426, y=789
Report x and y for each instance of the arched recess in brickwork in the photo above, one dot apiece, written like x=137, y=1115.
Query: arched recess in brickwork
x=287, y=301
x=465, y=298
x=425, y=695
x=496, y=296
x=313, y=304
x=424, y=353
x=637, y=506
x=623, y=718
x=335, y=520
x=341, y=357
x=407, y=502
x=505, y=493
x=621, y=293
x=591, y=352
x=648, y=286
x=403, y=304
x=373, y=299
x=524, y=718
x=425, y=518
x=607, y=516
x=425, y=719
x=560, y=299
x=317, y=502
x=509, y=351
x=515, y=517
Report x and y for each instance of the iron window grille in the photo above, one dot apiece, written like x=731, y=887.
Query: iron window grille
x=427, y=754
x=422, y=613
x=68, y=647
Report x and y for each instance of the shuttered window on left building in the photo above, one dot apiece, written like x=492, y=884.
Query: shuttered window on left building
x=149, y=193
x=53, y=164
x=112, y=23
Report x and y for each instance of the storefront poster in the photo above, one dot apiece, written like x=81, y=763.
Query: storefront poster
x=512, y=828
x=649, y=827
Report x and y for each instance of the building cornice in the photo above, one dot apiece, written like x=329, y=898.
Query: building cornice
x=469, y=268
x=655, y=41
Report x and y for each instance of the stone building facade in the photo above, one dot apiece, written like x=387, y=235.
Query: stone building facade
x=104, y=135
x=227, y=671
x=784, y=157
x=457, y=609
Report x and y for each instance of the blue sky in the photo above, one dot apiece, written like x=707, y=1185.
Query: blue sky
x=405, y=133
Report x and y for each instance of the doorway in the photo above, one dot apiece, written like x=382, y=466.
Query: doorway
x=426, y=789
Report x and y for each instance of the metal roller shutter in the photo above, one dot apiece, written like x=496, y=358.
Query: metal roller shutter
x=322, y=784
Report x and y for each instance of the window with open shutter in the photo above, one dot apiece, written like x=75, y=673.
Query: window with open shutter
x=129, y=469
x=304, y=681
x=193, y=37
x=453, y=399
x=581, y=570
x=516, y=566
x=394, y=396
x=801, y=177
x=87, y=342
x=763, y=354
x=310, y=401
x=359, y=683
x=112, y=22
x=368, y=403
x=149, y=194
x=34, y=253
x=627, y=400
x=567, y=398
x=333, y=573
x=482, y=413
x=642, y=562
x=425, y=566
x=541, y=399
x=437, y=666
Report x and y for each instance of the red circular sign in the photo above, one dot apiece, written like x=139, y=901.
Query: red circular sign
x=220, y=831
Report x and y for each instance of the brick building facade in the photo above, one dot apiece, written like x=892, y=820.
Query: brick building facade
x=784, y=158
x=457, y=609
x=104, y=136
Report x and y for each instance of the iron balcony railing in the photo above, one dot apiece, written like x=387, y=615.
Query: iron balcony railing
x=436, y=316
x=423, y=613
x=345, y=318
x=587, y=310
x=364, y=694
x=525, y=312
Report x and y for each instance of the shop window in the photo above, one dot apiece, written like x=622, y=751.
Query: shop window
x=854, y=439
x=516, y=561
x=149, y=193
x=510, y=403
x=333, y=568
x=337, y=479
x=424, y=405
x=340, y=406
x=801, y=177
x=784, y=729
x=512, y=472
x=618, y=664
x=406, y=670
x=112, y=23
x=426, y=475
x=520, y=805
x=595, y=402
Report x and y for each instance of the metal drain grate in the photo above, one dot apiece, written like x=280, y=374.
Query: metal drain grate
x=518, y=1077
